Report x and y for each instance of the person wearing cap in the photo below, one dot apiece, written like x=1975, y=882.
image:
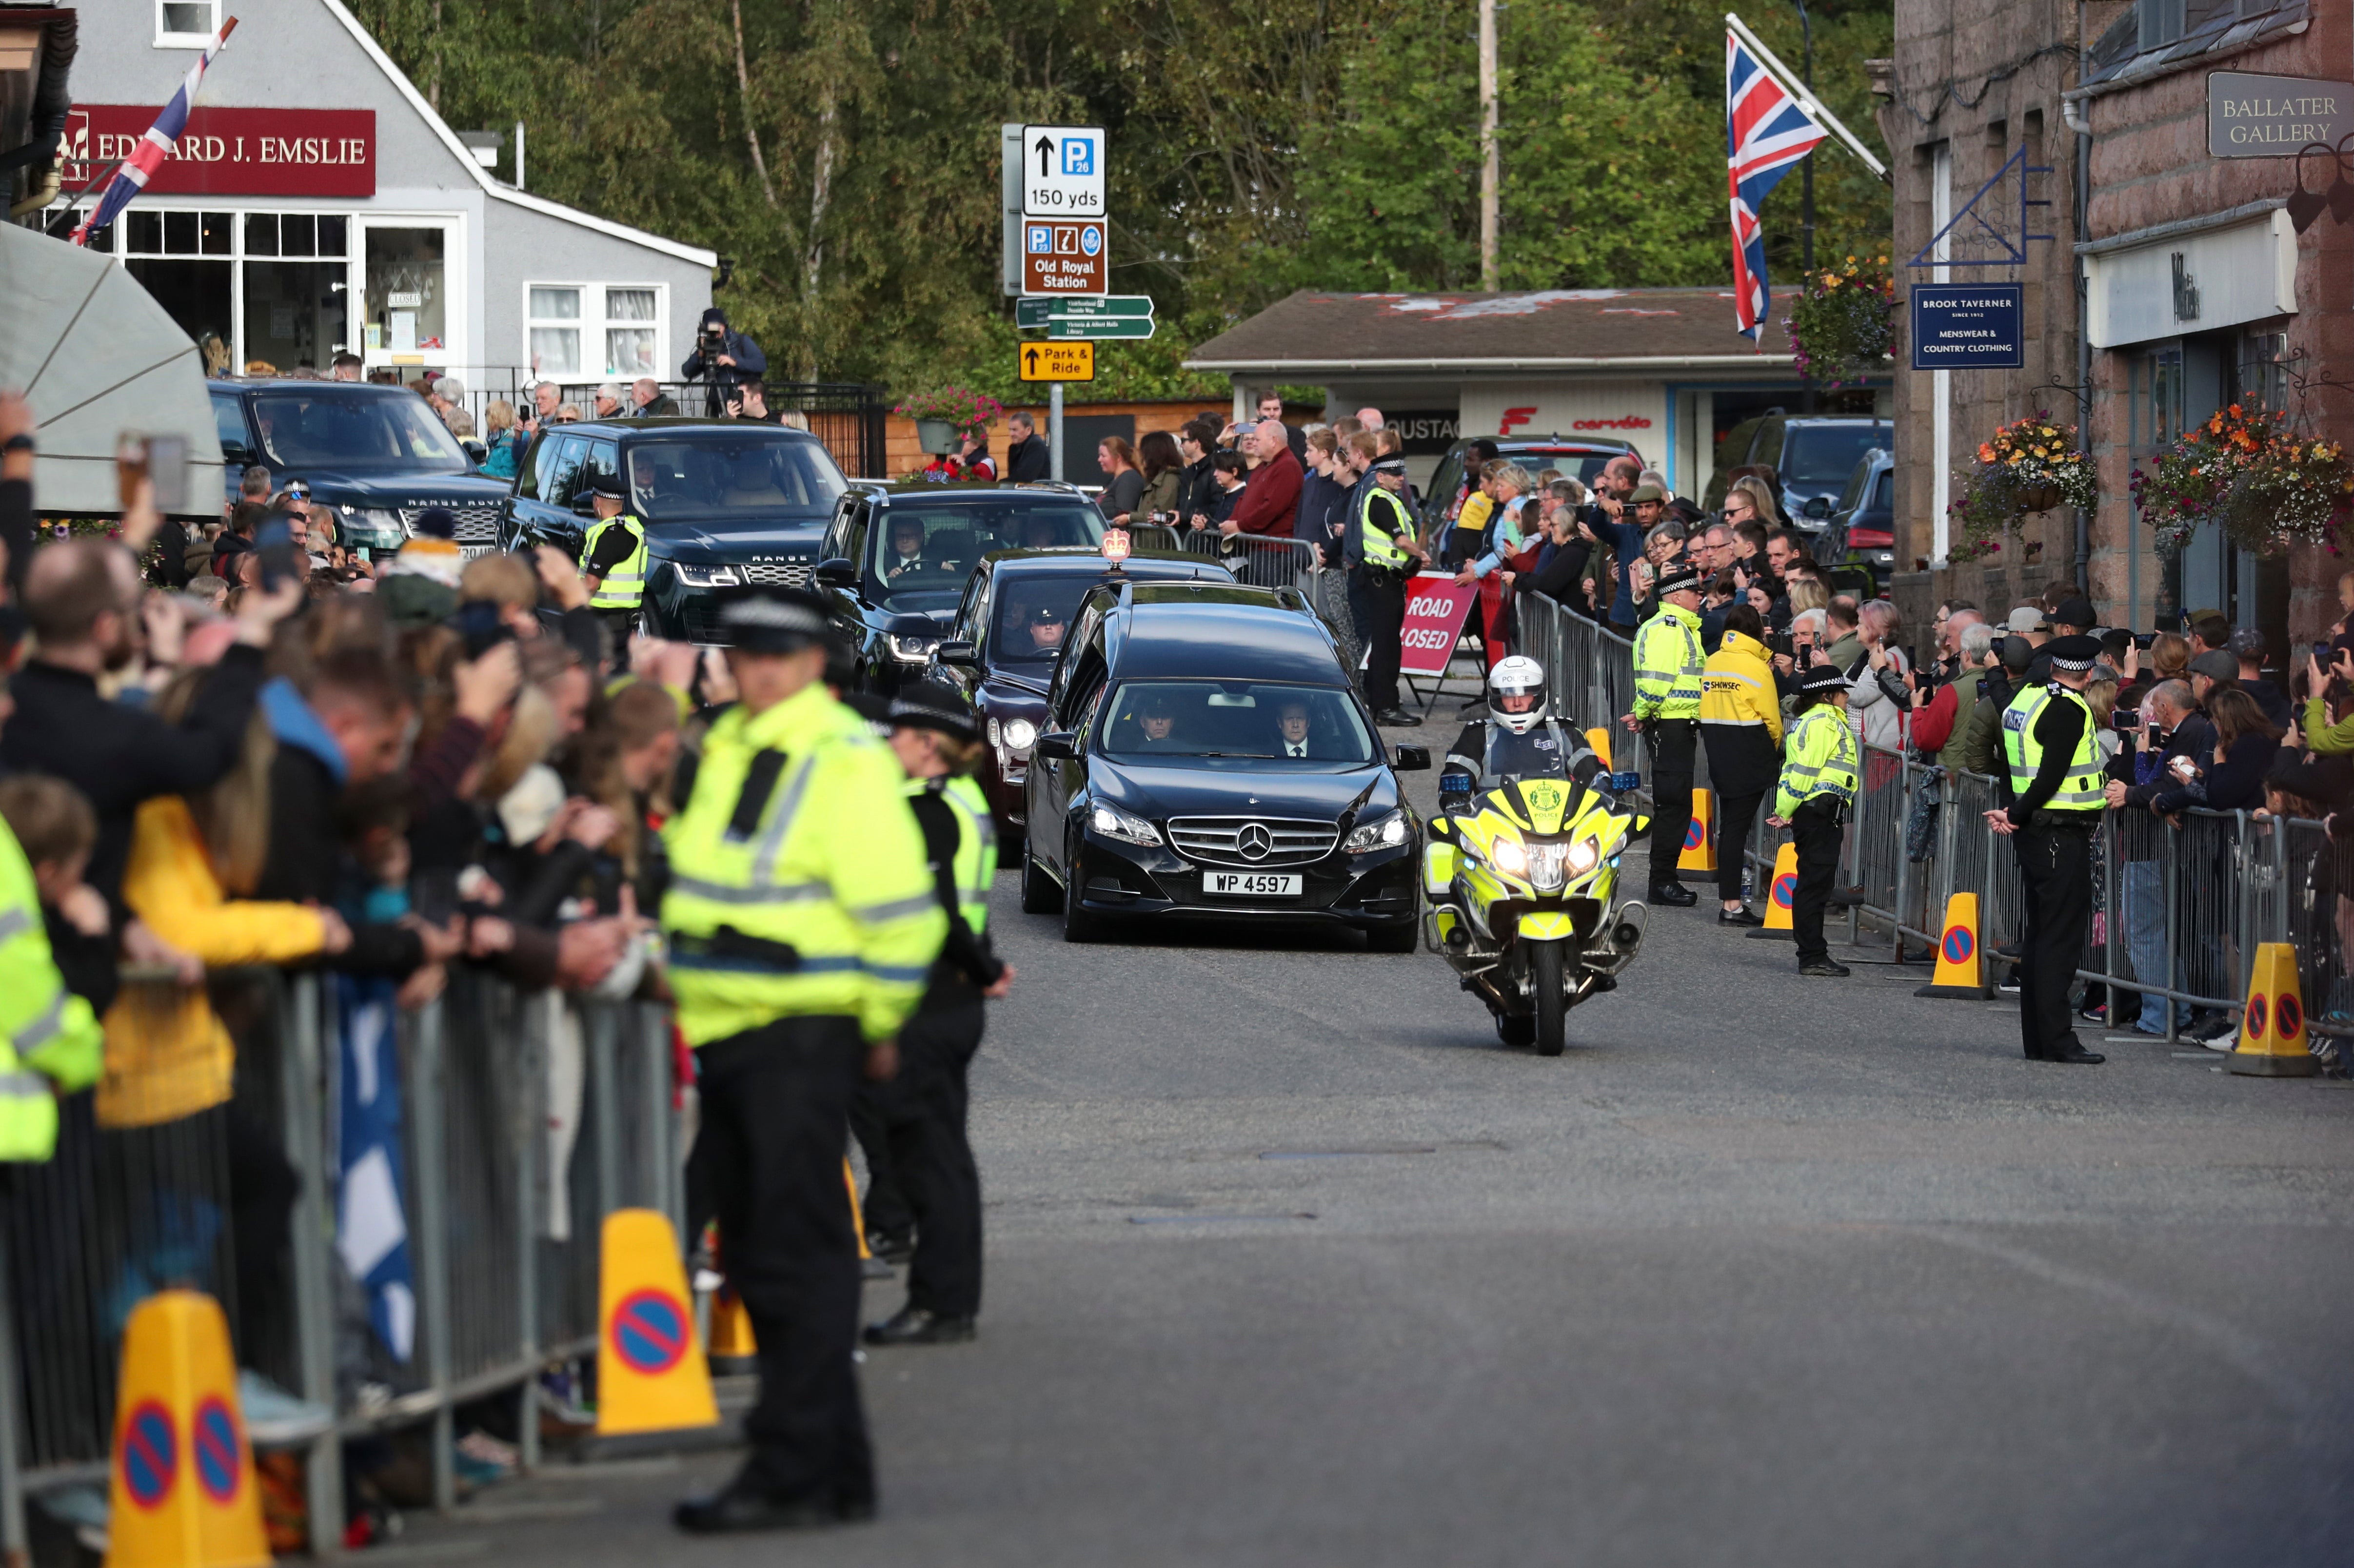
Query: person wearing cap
x=2248, y=651
x=613, y=558
x=1047, y=626
x=1811, y=799
x=2212, y=672
x=919, y=1116
x=1668, y=663
x=802, y=923
x=1386, y=549
x=2054, y=790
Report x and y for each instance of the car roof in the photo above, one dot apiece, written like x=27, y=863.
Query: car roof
x=665, y=422
x=884, y=490
x=1076, y=560
x=307, y=385
x=1525, y=441
x=1835, y=420
x=1221, y=631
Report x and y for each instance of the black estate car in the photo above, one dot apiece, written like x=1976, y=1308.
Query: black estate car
x=728, y=505
x=1208, y=759
x=376, y=454
x=1017, y=609
x=895, y=559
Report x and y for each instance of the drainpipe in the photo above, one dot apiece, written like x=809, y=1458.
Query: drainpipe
x=2073, y=110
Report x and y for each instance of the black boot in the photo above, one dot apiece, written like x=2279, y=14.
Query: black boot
x=1674, y=895
x=915, y=1326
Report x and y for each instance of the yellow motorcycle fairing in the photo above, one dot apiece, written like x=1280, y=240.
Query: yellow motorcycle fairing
x=1547, y=925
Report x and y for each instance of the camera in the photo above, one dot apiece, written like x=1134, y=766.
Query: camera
x=712, y=337
x=1781, y=643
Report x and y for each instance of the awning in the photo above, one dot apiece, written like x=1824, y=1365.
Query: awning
x=97, y=356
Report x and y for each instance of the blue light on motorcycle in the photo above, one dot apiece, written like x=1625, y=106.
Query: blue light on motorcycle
x=1622, y=782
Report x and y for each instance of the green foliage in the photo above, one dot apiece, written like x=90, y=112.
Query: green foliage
x=1255, y=148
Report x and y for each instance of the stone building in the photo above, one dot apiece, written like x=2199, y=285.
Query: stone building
x=2175, y=284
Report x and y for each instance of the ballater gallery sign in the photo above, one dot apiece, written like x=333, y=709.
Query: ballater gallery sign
x=229, y=151
x=2250, y=116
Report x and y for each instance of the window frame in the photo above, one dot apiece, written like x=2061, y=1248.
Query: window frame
x=165, y=39
x=595, y=369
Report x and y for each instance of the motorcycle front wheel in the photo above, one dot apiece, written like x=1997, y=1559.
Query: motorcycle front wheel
x=1546, y=963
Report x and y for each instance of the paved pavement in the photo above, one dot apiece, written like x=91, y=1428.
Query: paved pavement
x=1291, y=1263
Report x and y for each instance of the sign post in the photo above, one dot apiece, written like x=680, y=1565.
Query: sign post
x=1057, y=254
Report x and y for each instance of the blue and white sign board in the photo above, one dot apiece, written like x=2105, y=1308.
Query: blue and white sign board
x=1968, y=327
x=1062, y=171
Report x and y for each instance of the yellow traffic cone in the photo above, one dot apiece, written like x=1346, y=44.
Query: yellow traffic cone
x=648, y=1377
x=2272, y=1026
x=1599, y=739
x=1961, y=969
x=1700, y=840
x=182, y=1493
x=733, y=1349
x=1781, y=894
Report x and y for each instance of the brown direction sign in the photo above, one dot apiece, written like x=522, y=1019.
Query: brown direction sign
x=1062, y=256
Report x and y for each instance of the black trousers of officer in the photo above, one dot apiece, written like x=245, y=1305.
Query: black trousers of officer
x=2055, y=874
x=1815, y=831
x=918, y=1119
x=768, y=1166
x=1735, y=816
x=1674, y=747
x=1377, y=599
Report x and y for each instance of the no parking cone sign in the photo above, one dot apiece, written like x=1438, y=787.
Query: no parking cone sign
x=2272, y=1026
x=1781, y=896
x=1961, y=968
x=646, y=1378
x=182, y=1494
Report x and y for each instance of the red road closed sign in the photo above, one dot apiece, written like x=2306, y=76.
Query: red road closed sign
x=1435, y=609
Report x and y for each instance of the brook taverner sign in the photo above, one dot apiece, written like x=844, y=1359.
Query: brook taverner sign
x=2250, y=116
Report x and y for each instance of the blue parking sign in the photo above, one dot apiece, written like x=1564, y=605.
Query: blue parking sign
x=1079, y=154
x=1042, y=239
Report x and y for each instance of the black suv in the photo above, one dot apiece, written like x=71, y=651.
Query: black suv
x=1580, y=458
x=728, y=505
x=376, y=454
x=1812, y=454
x=896, y=556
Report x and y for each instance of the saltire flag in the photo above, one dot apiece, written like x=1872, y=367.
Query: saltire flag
x=156, y=145
x=1767, y=132
x=370, y=1161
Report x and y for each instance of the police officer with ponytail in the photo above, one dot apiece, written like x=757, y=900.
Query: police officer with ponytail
x=919, y=1116
x=1817, y=787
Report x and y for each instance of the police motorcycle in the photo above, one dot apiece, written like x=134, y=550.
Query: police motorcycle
x=1520, y=870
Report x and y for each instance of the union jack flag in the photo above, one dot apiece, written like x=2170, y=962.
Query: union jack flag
x=1767, y=132
x=153, y=147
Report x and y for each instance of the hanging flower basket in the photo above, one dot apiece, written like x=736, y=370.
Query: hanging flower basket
x=1842, y=324
x=2253, y=475
x=943, y=417
x=2030, y=465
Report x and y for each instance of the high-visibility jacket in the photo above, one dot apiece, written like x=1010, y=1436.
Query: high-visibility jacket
x=798, y=886
x=1668, y=665
x=1820, y=762
x=1737, y=687
x=976, y=851
x=2081, y=788
x=1382, y=516
x=625, y=586
x=49, y=1039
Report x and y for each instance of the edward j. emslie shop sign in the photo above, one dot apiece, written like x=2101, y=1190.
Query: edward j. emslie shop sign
x=2250, y=116
x=228, y=152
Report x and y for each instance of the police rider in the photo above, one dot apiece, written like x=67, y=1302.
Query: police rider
x=1519, y=739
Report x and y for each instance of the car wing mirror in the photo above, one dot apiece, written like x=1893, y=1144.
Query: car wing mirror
x=957, y=651
x=836, y=572
x=1059, y=743
x=1818, y=506
x=1407, y=757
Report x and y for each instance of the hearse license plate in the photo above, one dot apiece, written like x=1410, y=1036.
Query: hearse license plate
x=1251, y=884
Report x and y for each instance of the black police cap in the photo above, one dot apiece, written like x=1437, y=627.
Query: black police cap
x=930, y=705
x=779, y=621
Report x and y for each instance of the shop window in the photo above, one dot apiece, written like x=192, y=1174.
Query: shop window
x=187, y=23
x=296, y=283
x=595, y=332
x=184, y=259
x=2260, y=377
x=2154, y=400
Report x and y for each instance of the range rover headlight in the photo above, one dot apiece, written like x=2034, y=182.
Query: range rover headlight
x=707, y=577
x=366, y=525
x=1382, y=833
x=912, y=649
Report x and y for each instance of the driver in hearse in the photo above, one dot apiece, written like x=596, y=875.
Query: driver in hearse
x=1046, y=627
x=906, y=549
x=1157, y=718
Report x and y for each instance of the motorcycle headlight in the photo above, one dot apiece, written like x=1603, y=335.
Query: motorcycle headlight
x=1548, y=867
x=1114, y=823
x=708, y=577
x=1507, y=856
x=1382, y=833
x=912, y=649
x=1584, y=855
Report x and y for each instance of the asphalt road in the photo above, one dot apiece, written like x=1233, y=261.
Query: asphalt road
x=1291, y=1263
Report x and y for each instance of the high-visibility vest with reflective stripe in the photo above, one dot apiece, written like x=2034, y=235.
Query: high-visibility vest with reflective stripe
x=976, y=851
x=49, y=1039
x=798, y=886
x=2080, y=789
x=1668, y=665
x=1380, y=547
x=625, y=585
x=1821, y=761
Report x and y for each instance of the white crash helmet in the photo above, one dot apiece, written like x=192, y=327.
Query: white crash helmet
x=1518, y=676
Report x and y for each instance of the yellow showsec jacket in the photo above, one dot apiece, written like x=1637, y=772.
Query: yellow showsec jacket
x=1736, y=686
x=168, y=1055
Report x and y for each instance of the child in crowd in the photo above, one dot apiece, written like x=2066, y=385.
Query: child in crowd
x=57, y=829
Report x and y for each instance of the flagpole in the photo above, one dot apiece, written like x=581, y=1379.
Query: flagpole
x=1813, y=105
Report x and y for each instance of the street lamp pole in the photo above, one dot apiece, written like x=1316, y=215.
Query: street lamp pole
x=1807, y=179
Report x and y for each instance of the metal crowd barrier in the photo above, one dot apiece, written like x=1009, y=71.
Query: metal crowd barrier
x=526, y=1118
x=2180, y=909
x=1272, y=561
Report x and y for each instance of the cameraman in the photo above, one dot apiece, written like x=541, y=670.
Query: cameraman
x=723, y=357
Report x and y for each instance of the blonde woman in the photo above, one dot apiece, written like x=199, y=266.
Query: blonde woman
x=504, y=438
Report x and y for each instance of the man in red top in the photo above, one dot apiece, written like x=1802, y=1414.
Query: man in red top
x=1271, y=497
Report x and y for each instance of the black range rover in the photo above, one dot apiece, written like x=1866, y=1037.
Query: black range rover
x=376, y=454
x=728, y=505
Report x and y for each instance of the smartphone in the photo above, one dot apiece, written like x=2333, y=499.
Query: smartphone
x=479, y=624
x=2126, y=721
x=161, y=459
x=2142, y=639
x=273, y=543
x=2323, y=652
x=1779, y=642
